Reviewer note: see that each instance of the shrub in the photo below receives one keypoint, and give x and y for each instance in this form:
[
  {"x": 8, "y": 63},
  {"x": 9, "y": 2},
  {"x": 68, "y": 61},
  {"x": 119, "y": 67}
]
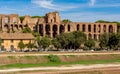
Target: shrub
[{"x": 53, "y": 58}]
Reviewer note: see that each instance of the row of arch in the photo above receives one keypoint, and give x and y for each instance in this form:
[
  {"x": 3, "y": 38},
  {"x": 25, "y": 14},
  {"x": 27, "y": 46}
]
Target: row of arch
[
  {"x": 55, "y": 29},
  {"x": 13, "y": 27},
  {"x": 110, "y": 28}
]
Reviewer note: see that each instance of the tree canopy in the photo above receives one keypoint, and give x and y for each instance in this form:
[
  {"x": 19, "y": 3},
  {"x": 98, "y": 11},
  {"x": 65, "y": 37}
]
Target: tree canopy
[{"x": 66, "y": 20}]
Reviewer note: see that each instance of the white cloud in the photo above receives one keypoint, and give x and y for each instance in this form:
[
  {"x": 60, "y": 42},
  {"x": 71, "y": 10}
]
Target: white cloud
[
  {"x": 48, "y": 4},
  {"x": 92, "y": 2}
]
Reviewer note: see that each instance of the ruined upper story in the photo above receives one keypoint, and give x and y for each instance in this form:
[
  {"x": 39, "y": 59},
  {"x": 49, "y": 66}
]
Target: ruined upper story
[{"x": 51, "y": 17}]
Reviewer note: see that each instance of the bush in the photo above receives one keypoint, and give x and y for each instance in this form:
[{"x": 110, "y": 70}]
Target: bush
[{"x": 53, "y": 58}]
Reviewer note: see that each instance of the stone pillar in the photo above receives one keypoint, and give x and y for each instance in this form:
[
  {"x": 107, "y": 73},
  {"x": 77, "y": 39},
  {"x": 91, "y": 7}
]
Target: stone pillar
[
  {"x": 38, "y": 28},
  {"x": 66, "y": 28},
  {"x": 58, "y": 29},
  {"x": 51, "y": 32},
  {"x": 97, "y": 36},
  {"x": 44, "y": 31},
  {"x": 97, "y": 28},
  {"x": 86, "y": 28},
  {"x": 81, "y": 27},
  {"x": 101, "y": 29},
  {"x": 107, "y": 28}
]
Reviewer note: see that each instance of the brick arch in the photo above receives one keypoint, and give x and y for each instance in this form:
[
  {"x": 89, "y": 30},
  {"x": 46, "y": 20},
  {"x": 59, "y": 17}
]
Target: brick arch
[
  {"x": 62, "y": 28},
  {"x": 89, "y": 28},
  {"x": 69, "y": 27},
  {"x": 47, "y": 29},
  {"x": 78, "y": 27},
  {"x": 6, "y": 27},
  {"x": 41, "y": 29},
  {"x": 83, "y": 27},
  {"x": 55, "y": 28},
  {"x": 110, "y": 28},
  {"x": 16, "y": 27},
  {"x": 99, "y": 28},
  {"x": 104, "y": 28},
  {"x": 21, "y": 27}
]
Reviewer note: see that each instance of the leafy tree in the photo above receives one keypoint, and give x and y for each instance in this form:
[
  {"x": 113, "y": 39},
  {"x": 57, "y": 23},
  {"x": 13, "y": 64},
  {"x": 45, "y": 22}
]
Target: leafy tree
[
  {"x": 27, "y": 30},
  {"x": 113, "y": 41},
  {"x": 62, "y": 39},
  {"x": 22, "y": 18},
  {"x": 66, "y": 20},
  {"x": 71, "y": 40},
  {"x": 104, "y": 38},
  {"x": 56, "y": 43},
  {"x": 90, "y": 43},
  {"x": 37, "y": 16},
  {"x": 79, "y": 38},
  {"x": 30, "y": 45},
  {"x": 102, "y": 21},
  {"x": 21, "y": 45},
  {"x": 45, "y": 42}
]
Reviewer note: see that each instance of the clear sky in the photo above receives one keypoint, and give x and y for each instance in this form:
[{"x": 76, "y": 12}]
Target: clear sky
[{"x": 75, "y": 10}]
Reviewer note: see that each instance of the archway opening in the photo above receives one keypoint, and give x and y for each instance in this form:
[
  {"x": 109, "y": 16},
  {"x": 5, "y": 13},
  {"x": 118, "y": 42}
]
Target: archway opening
[
  {"x": 68, "y": 28},
  {"x": 94, "y": 28},
  {"x": 61, "y": 28},
  {"x": 20, "y": 27},
  {"x": 54, "y": 30},
  {"x": 47, "y": 29},
  {"x": 83, "y": 27},
  {"x": 89, "y": 28},
  {"x": 104, "y": 28},
  {"x": 111, "y": 29},
  {"x": 6, "y": 27},
  {"x": 78, "y": 27},
  {"x": 41, "y": 29},
  {"x": 16, "y": 27}
]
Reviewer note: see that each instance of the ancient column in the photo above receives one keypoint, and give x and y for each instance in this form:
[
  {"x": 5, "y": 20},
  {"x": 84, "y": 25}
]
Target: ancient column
[
  {"x": 44, "y": 31},
  {"x": 58, "y": 29},
  {"x": 51, "y": 32},
  {"x": 107, "y": 28}
]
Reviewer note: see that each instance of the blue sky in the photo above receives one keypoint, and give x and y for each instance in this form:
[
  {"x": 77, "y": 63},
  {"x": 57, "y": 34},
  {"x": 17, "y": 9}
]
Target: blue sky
[{"x": 75, "y": 10}]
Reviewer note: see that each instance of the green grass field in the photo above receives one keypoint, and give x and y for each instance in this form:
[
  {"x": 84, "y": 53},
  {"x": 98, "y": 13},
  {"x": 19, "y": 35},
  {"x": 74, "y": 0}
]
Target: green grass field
[{"x": 55, "y": 61}]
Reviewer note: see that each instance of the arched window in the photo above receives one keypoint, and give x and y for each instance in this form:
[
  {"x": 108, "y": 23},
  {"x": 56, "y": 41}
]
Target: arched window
[
  {"x": 89, "y": 28},
  {"x": 61, "y": 28},
  {"x": 110, "y": 28},
  {"x": 78, "y": 27},
  {"x": 83, "y": 27},
  {"x": 54, "y": 30},
  {"x": 41, "y": 29},
  {"x": 47, "y": 28},
  {"x": 68, "y": 27}
]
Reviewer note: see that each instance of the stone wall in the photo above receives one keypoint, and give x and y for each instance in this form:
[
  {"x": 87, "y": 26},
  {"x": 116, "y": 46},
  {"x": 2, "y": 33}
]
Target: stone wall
[{"x": 51, "y": 25}]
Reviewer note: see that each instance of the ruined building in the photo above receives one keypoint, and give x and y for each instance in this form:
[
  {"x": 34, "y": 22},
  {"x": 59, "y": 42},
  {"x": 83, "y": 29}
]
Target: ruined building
[{"x": 52, "y": 25}]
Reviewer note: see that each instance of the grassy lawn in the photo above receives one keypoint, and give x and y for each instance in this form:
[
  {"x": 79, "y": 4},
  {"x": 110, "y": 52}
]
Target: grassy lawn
[{"x": 57, "y": 64}]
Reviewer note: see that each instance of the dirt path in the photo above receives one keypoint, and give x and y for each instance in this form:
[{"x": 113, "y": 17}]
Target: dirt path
[
  {"x": 60, "y": 53},
  {"x": 72, "y": 67}
]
